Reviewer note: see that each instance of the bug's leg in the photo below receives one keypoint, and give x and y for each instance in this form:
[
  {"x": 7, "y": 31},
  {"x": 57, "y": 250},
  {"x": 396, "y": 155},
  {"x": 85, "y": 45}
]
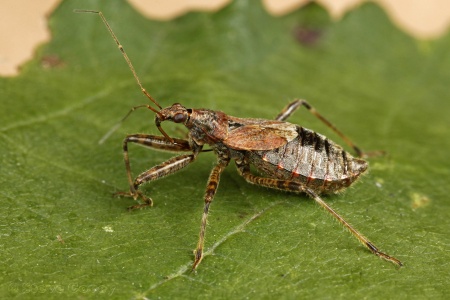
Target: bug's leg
[
  {"x": 355, "y": 232},
  {"x": 294, "y": 186},
  {"x": 211, "y": 189},
  {"x": 166, "y": 168},
  {"x": 293, "y": 106}
]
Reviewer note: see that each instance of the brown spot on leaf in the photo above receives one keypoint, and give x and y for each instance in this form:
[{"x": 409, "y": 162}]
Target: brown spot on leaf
[
  {"x": 51, "y": 61},
  {"x": 307, "y": 36}
]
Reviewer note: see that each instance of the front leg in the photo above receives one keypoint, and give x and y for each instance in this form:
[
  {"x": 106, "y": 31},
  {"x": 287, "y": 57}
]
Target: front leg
[{"x": 166, "y": 168}]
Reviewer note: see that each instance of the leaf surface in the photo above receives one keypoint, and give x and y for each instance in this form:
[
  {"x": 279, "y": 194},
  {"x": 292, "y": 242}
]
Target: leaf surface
[{"x": 63, "y": 235}]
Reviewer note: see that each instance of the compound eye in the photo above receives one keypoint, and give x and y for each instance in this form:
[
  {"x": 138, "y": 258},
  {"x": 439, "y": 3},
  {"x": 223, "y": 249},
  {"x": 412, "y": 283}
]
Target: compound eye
[{"x": 179, "y": 118}]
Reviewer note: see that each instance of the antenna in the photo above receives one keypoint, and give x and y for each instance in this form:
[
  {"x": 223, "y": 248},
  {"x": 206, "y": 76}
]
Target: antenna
[
  {"x": 115, "y": 127},
  {"x": 130, "y": 65}
]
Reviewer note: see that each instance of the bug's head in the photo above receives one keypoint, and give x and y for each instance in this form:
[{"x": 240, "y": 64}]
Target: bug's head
[{"x": 176, "y": 113}]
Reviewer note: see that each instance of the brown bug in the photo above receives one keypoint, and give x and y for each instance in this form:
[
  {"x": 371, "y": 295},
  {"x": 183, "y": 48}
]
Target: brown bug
[{"x": 292, "y": 157}]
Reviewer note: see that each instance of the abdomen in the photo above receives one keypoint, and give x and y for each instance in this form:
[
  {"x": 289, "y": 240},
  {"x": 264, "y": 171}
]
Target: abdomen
[{"x": 312, "y": 159}]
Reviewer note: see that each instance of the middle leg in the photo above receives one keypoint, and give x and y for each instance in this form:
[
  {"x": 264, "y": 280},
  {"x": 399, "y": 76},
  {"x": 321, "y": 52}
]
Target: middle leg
[{"x": 211, "y": 188}]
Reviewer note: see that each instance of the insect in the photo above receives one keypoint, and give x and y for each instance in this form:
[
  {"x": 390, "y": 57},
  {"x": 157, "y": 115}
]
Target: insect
[{"x": 290, "y": 157}]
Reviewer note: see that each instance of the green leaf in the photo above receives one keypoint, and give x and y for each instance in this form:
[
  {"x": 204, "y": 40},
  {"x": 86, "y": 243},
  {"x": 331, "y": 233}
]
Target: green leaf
[{"x": 63, "y": 235}]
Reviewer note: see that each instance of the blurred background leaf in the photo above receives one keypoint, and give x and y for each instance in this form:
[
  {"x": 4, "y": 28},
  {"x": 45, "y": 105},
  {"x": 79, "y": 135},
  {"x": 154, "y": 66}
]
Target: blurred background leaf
[{"x": 64, "y": 235}]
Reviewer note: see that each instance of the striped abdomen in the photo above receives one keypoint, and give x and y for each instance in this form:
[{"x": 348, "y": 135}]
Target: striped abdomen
[{"x": 312, "y": 159}]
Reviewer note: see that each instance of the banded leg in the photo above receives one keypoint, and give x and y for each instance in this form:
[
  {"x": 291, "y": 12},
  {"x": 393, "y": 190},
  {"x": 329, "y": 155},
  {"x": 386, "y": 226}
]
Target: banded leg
[
  {"x": 294, "y": 186},
  {"x": 293, "y": 106},
  {"x": 211, "y": 188},
  {"x": 166, "y": 168}
]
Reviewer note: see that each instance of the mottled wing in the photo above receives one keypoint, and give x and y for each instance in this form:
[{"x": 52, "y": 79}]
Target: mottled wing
[{"x": 264, "y": 136}]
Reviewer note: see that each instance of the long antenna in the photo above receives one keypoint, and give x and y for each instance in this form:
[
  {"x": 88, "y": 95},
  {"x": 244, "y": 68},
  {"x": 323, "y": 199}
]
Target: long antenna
[
  {"x": 130, "y": 65},
  {"x": 115, "y": 127}
]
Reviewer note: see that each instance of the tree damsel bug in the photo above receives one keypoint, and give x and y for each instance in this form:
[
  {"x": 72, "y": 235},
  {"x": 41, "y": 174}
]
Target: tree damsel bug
[{"x": 292, "y": 157}]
